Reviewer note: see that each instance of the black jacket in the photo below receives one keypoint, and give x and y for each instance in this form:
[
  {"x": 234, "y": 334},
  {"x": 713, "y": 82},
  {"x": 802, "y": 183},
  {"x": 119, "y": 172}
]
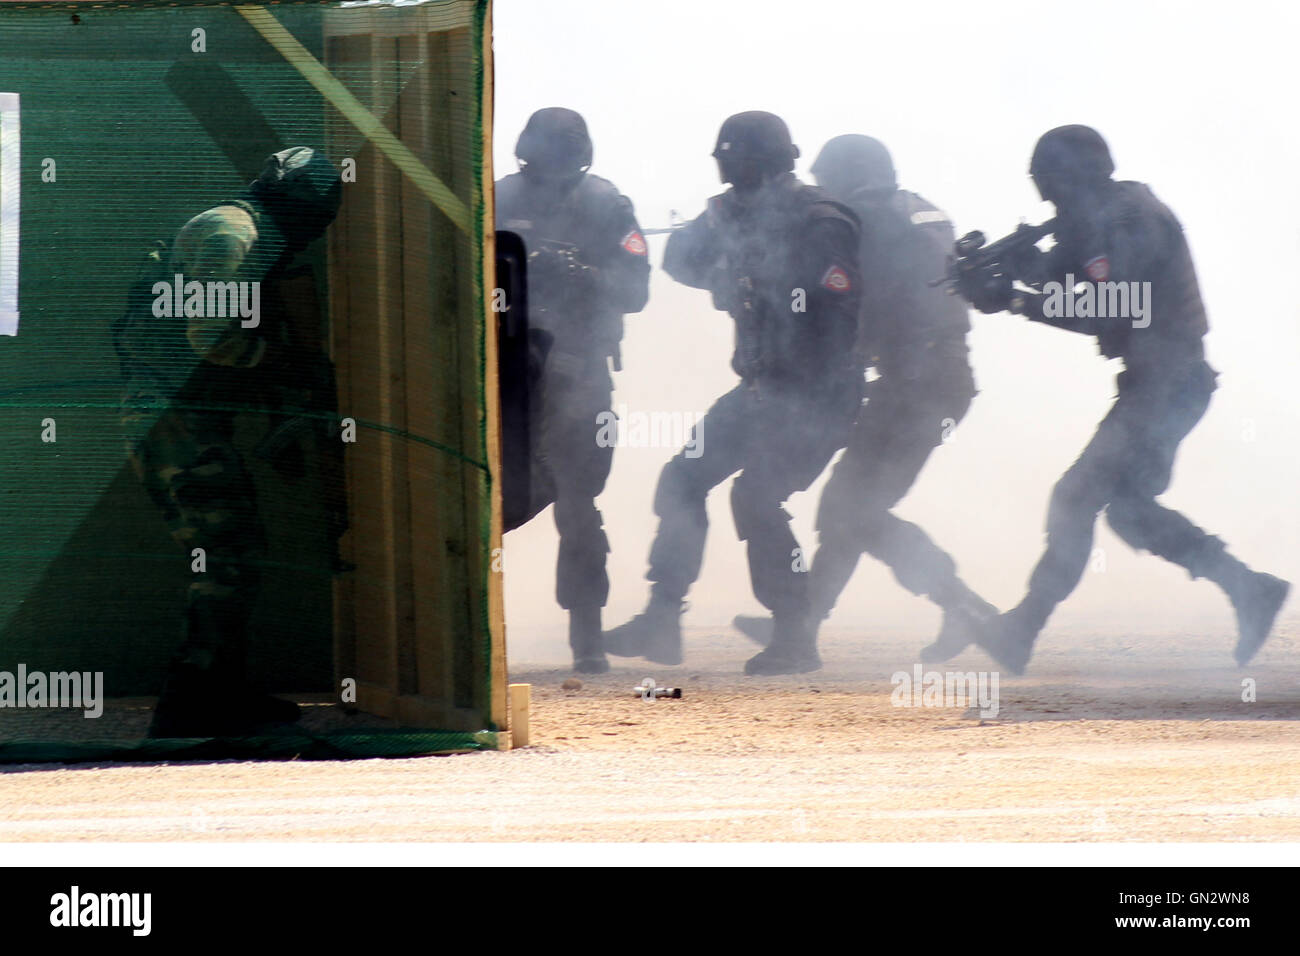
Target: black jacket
[
  {"x": 1132, "y": 237},
  {"x": 784, "y": 264},
  {"x": 912, "y": 331},
  {"x": 587, "y": 259}
]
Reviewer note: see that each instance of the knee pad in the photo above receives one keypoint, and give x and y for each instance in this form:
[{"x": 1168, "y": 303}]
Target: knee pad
[{"x": 752, "y": 508}]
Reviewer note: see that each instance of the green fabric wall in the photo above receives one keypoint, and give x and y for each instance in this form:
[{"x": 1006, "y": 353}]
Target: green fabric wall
[{"x": 145, "y": 133}]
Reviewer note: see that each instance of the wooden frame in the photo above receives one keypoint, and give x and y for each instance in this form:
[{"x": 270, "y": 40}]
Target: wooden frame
[{"x": 411, "y": 332}]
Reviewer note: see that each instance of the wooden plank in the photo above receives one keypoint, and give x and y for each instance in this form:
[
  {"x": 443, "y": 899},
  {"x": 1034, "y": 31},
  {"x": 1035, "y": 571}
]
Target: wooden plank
[
  {"x": 455, "y": 629},
  {"x": 434, "y": 606},
  {"x": 405, "y": 321},
  {"x": 378, "y": 699},
  {"x": 470, "y": 663},
  {"x": 417, "y": 710},
  {"x": 368, "y": 267},
  {"x": 395, "y": 629},
  {"x": 343, "y": 51},
  {"x": 391, "y": 21},
  {"x": 521, "y": 701},
  {"x": 459, "y": 328},
  {"x": 495, "y": 599}
]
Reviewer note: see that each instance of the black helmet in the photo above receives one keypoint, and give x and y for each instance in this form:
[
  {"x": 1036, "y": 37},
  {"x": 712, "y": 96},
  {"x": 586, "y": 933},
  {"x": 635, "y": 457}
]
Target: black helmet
[
  {"x": 752, "y": 146},
  {"x": 554, "y": 142},
  {"x": 299, "y": 191},
  {"x": 851, "y": 162},
  {"x": 1070, "y": 157}
]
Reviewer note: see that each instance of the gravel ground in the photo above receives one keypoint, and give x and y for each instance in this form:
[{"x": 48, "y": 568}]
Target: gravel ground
[{"x": 1138, "y": 737}]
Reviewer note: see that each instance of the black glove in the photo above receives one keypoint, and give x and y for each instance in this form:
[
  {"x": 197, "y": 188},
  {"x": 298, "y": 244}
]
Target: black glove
[
  {"x": 546, "y": 267},
  {"x": 989, "y": 292},
  {"x": 1026, "y": 264},
  {"x": 561, "y": 274}
]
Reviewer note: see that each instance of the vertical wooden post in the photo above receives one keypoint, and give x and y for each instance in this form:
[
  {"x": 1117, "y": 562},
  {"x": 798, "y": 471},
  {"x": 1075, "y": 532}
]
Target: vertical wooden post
[
  {"x": 495, "y": 589},
  {"x": 421, "y": 623},
  {"x": 521, "y": 701}
]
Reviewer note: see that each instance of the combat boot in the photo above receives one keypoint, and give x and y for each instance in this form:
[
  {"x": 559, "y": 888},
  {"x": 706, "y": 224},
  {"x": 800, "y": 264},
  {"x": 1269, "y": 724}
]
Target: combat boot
[
  {"x": 793, "y": 649},
  {"x": 584, "y": 641},
  {"x": 1256, "y": 597},
  {"x": 188, "y": 706},
  {"x": 1009, "y": 638},
  {"x": 966, "y": 621},
  {"x": 1257, "y": 603},
  {"x": 197, "y": 702},
  {"x": 755, "y": 627},
  {"x": 655, "y": 633}
]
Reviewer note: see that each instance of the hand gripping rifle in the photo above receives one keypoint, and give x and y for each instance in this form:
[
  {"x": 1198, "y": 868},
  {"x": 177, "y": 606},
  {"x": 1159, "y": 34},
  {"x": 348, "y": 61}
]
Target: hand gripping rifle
[{"x": 974, "y": 262}]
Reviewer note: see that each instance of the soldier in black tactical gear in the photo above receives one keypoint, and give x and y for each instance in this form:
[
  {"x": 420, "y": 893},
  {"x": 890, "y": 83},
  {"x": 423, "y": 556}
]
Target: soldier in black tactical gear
[
  {"x": 914, "y": 335},
  {"x": 587, "y": 266},
  {"x": 781, "y": 258},
  {"x": 1116, "y": 237}
]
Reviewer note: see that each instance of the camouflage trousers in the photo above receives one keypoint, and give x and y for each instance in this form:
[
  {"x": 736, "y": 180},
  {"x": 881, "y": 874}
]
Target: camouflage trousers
[{"x": 192, "y": 471}]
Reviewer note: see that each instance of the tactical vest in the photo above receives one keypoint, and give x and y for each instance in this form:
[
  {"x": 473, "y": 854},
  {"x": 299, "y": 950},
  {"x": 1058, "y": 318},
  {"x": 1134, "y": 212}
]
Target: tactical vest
[
  {"x": 1178, "y": 323},
  {"x": 566, "y": 224},
  {"x": 762, "y": 268},
  {"x": 910, "y": 327}
]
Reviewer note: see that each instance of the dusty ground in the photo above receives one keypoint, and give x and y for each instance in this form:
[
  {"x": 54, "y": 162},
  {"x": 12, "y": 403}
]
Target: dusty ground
[{"x": 1110, "y": 738}]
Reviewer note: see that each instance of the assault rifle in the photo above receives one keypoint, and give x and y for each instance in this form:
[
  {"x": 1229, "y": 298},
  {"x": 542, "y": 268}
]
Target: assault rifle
[{"x": 974, "y": 261}]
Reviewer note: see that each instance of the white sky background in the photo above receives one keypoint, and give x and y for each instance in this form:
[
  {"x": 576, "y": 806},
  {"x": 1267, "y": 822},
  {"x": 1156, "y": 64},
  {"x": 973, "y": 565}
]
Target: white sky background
[{"x": 1196, "y": 100}]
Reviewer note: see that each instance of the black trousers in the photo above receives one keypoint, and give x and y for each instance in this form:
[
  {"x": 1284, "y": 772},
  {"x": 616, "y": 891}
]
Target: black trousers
[
  {"x": 898, "y": 428},
  {"x": 779, "y": 440},
  {"x": 567, "y": 462},
  {"x": 1126, "y": 465}
]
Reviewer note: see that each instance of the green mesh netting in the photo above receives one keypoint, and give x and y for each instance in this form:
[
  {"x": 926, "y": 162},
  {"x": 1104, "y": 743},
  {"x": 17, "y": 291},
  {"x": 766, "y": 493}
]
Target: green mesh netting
[{"x": 219, "y": 505}]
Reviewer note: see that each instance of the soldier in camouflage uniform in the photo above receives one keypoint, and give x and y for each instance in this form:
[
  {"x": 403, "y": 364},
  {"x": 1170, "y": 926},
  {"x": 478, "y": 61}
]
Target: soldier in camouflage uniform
[{"x": 187, "y": 377}]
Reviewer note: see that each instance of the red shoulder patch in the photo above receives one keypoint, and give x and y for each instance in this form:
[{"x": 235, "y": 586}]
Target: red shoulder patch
[
  {"x": 1098, "y": 269},
  {"x": 836, "y": 279},
  {"x": 634, "y": 243}
]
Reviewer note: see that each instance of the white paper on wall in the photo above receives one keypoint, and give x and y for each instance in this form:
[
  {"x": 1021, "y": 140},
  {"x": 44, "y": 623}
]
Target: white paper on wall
[{"x": 10, "y": 210}]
